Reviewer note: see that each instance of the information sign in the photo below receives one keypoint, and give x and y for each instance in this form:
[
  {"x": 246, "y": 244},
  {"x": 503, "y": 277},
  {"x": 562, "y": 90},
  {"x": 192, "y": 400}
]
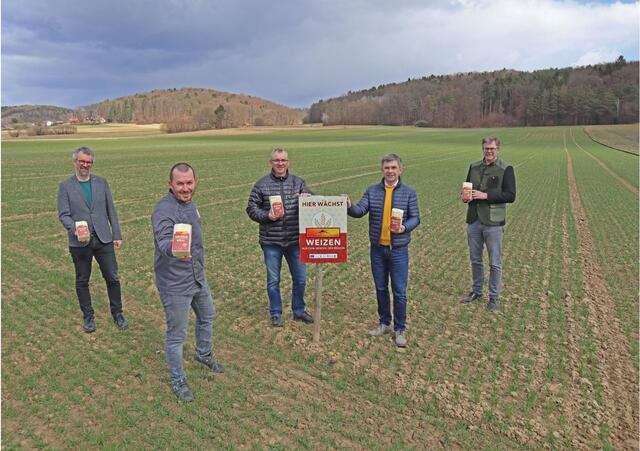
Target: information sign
[{"x": 323, "y": 229}]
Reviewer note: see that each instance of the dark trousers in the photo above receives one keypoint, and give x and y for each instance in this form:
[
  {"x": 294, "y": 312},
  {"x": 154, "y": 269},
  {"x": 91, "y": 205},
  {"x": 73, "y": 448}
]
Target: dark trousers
[{"x": 106, "y": 258}]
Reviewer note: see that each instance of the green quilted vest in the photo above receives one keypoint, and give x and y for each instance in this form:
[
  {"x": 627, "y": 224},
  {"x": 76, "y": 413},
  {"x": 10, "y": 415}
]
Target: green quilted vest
[{"x": 487, "y": 179}]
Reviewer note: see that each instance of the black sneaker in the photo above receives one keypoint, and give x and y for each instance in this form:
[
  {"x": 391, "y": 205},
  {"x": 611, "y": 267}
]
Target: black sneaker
[
  {"x": 89, "y": 324},
  {"x": 209, "y": 362},
  {"x": 122, "y": 323},
  {"x": 277, "y": 321},
  {"x": 182, "y": 390},
  {"x": 473, "y": 296},
  {"x": 305, "y": 318},
  {"x": 493, "y": 304}
]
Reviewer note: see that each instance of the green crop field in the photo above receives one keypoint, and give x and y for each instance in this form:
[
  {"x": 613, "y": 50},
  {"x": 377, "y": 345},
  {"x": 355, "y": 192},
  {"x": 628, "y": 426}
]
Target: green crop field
[{"x": 556, "y": 367}]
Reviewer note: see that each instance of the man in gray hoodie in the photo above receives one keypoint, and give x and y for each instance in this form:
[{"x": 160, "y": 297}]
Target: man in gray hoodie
[{"x": 181, "y": 281}]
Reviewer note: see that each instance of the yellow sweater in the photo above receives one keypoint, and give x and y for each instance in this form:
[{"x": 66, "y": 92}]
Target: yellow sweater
[{"x": 385, "y": 233}]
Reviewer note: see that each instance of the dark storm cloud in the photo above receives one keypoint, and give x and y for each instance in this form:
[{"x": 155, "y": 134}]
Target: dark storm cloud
[{"x": 294, "y": 52}]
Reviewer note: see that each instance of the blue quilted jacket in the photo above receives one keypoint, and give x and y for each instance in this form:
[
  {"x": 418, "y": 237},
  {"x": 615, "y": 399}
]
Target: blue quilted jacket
[{"x": 372, "y": 202}]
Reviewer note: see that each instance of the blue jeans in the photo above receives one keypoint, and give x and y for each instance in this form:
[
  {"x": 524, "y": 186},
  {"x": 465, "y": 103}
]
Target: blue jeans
[
  {"x": 479, "y": 235},
  {"x": 391, "y": 262},
  {"x": 273, "y": 260},
  {"x": 176, "y": 310}
]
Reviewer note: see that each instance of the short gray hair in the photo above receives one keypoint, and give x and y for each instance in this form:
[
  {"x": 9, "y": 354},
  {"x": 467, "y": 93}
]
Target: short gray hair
[
  {"x": 491, "y": 139},
  {"x": 84, "y": 150},
  {"x": 392, "y": 157},
  {"x": 279, "y": 150}
]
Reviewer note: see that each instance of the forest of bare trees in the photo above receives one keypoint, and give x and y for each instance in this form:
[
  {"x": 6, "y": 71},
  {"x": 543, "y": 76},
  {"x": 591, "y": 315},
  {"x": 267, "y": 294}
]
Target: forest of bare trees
[
  {"x": 189, "y": 109},
  {"x": 598, "y": 94}
]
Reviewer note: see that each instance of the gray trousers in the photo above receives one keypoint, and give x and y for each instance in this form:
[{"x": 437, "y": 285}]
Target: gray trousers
[
  {"x": 479, "y": 235},
  {"x": 176, "y": 310}
]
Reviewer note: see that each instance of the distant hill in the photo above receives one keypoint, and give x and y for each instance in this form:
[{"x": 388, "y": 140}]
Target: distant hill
[
  {"x": 35, "y": 114},
  {"x": 598, "y": 94},
  {"x": 205, "y": 108}
]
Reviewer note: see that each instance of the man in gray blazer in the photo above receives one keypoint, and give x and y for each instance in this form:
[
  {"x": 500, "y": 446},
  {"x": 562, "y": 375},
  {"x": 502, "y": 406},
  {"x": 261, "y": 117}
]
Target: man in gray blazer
[{"x": 87, "y": 197}]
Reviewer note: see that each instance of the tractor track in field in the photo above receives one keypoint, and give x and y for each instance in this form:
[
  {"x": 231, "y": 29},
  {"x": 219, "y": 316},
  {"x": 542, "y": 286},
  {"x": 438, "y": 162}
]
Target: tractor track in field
[
  {"x": 583, "y": 427},
  {"x": 29, "y": 216},
  {"x": 573, "y": 388},
  {"x": 620, "y": 179},
  {"x": 617, "y": 373}
]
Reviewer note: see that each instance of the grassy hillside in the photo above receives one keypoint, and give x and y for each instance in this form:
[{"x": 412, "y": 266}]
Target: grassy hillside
[{"x": 623, "y": 137}]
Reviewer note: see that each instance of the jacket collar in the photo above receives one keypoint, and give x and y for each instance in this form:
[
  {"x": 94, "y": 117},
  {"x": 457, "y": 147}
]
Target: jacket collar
[
  {"x": 171, "y": 195},
  {"x": 382, "y": 184},
  {"x": 279, "y": 179},
  {"x": 75, "y": 177}
]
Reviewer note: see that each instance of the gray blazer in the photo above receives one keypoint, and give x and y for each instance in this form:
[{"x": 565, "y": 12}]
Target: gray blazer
[{"x": 101, "y": 217}]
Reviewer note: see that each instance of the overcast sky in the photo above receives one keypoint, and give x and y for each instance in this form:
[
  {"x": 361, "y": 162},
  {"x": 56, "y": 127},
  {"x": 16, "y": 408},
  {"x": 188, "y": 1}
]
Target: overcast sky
[{"x": 294, "y": 52}]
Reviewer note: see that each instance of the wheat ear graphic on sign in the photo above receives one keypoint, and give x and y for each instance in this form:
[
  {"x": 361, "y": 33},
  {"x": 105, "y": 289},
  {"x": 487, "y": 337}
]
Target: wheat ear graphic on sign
[{"x": 323, "y": 221}]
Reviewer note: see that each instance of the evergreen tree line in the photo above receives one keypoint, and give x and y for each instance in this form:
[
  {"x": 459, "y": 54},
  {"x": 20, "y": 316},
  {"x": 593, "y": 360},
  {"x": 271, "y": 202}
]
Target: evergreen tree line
[{"x": 598, "y": 94}]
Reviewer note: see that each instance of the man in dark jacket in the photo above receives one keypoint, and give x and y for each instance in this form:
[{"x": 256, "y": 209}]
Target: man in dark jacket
[
  {"x": 87, "y": 197},
  {"x": 273, "y": 203},
  {"x": 181, "y": 280},
  {"x": 494, "y": 186},
  {"x": 389, "y": 243}
]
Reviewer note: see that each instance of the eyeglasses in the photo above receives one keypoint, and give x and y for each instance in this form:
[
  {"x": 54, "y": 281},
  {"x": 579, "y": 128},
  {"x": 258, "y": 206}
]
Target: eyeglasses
[
  {"x": 85, "y": 162},
  {"x": 486, "y": 149},
  {"x": 279, "y": 161}
]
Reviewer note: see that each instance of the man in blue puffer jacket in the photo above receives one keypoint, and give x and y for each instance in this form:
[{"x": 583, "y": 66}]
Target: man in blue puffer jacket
[{"x": 389, "y": 244}]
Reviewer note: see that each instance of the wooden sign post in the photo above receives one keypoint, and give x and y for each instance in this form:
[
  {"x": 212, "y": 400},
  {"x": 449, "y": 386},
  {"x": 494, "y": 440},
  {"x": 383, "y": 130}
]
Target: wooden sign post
[{"x": 317, "y": 287}]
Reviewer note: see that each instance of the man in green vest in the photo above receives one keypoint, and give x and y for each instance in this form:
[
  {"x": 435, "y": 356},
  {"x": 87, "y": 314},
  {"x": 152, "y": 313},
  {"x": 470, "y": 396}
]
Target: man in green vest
[{"x": 493, "y": 186}]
